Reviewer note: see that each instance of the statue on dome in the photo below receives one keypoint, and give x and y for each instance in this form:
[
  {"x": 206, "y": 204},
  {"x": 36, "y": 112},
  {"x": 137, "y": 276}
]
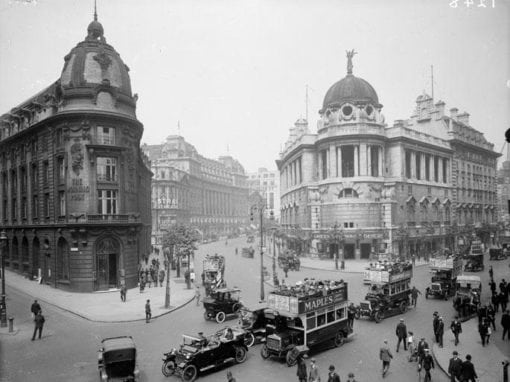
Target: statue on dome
[{"x": 350, "y": 55}]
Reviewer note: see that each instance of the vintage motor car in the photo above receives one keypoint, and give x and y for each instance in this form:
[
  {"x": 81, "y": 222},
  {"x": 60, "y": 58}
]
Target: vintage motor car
[
  {"x": 467, "y": 295},
  {"x": 117, "y": 359},
  {"x": 255, "y": 322},
  {"x": 222, "y": 303},
  {"x": 198, "y": 354},
  {"x": 474, "y": 263},
  {"x": 497, "y": 253}
]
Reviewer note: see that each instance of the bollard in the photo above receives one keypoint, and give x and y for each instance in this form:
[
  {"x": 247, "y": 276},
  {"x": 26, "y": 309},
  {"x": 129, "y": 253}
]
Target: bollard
[{"x": 11, "y": 324}]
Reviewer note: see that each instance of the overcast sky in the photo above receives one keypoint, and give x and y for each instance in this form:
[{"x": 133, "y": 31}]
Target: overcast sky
[{"x": 234, "y": 72}]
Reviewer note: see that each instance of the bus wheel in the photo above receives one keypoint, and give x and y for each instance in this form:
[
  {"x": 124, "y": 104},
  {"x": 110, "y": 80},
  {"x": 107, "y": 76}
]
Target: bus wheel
[
  {"x": 291, "y": 361},
  {"x": 339, "y": 339}
]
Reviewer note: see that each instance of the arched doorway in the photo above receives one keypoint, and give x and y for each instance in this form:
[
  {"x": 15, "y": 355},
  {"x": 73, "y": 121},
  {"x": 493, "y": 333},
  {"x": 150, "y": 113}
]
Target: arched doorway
[
  {"x": 35, "y": 257},
  {"x": 62, "y": 259},
  {"x": 15, "y": 253},
  {"x": 107, "y": 263},
  {"x": 24, "y": 255}
]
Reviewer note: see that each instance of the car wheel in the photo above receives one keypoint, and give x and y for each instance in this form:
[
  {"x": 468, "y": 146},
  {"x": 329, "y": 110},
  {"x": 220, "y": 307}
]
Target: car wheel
[
  {"x": 189, "y": 374},
  {"x": 168, "y": 368},
  {"x": 403, "y": 307},
  {"x": 339, "y": 339},
  {"x": 249, "y": 339},
  {"x": 240, "y": 354},
  {"x": 289, "y": 359},
  {"x": 206, "y": 315},
  {"x": 220, "y": 317},
  {"x": 264, "y": 352},
  {"x": 377, "y": 317}
]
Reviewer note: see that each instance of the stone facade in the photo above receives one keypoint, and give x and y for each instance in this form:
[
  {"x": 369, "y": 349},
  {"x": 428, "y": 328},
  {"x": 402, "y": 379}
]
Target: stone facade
[
  {"x": 267, "y": 184},
  {"x": 211, "y": 195},
  {"x": 75, "y": 195},
  {"x": 357, "y": 187}
]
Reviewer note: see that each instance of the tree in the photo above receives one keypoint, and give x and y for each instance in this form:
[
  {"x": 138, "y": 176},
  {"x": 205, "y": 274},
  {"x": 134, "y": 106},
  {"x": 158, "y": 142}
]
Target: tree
[{"x": 182, "y": 240}]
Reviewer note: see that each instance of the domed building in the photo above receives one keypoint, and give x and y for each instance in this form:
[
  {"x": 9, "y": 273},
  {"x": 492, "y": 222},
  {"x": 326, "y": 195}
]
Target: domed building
[
  {"x": 357, "y": 187},
  {"x": 75, "y": 195}
]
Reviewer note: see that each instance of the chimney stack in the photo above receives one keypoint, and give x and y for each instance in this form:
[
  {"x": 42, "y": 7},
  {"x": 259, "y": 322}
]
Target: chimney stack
[
  {"x": 463, "y": 118},
  {"x": 440, "y": 109},
  {"x": 453, "y": 113}
]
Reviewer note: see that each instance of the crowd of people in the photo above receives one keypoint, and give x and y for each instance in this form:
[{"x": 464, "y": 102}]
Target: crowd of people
[{"x": 151, "y": 273}]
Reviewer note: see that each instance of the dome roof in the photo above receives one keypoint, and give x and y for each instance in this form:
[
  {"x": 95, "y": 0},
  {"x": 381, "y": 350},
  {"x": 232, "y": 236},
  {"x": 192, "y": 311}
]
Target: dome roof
[
  {"x": 93, "y": 63},
  {"x": 350, "y": 89}
]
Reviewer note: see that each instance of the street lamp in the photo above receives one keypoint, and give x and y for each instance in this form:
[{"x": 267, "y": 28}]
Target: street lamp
[
  {"x": 3, "y": 308},
  {"x": 260, "y": 208},
  {"x": 166, "y": 252}
]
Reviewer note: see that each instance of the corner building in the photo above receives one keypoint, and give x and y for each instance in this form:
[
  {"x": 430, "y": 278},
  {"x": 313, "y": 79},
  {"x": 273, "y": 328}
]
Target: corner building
[
  {"x": 75, "y": 194},
  {"x": 357, "y": 187}
]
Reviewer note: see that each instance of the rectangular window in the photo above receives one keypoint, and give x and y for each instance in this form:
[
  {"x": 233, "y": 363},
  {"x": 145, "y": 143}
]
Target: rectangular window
[
  {"x": 46, "y": 175},
  {"x": 61, "y": 171},
  {"x": 427, "y": 167},
  {"x": 35, "y": 207},
  {"x": 347, "y": 161},
  {"x": 62, "y": 203},
  {"x": 351, "y": 225},
  {"x": 409, "y": 190},
  {"x": 23, "y": 179},
  {"x": 310, "y": 320},
  {"x": 5, "y": 209},
  {"x": 436, "y": 169},
  {"x": 408, "y": 164},
  {"x": 105, "y": 135},
  {"x": 418, "y": 165},
  {"x": 321, "y": 319},
  {"x": 24, "y": 208},
  {"x": 330, "y": 316},
  {"x": 324, "y": 159},
  {"x": 35, "y": 178},
  {"x": 14, "y": 211},
  {"x": 107, "y": 202},
  {"x": 340, "y": 313},
  {"x": 4, "y": 184},
  {"x": 47, "y": 205},
  {"x": 107, "y": 169},
  {"x": 374, "y": 161},
  {"x": 445, "y": 170},
  {"x": 58, "y": 137}
]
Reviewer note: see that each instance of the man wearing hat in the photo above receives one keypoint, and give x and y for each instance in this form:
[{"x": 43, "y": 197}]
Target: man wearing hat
[
  {"x": 455, "y": 367},
  {"x": 351, "y": 378},
  {"x": 401, "y": 333},
  {"x": 301, "y": 369},
  {"x": 468, "y": 373},
  {"x": 440, "y": 332},
  {"x": 456, "y": 327},
  {"x": 427, "y": 363},
  {"x": 435, "y": 322},
  {"x": 385, "y": 356},
  {"x": 422, "y": 345},
  {"x": 314, "y": 372},
  {"x": 332, "y": 375}
]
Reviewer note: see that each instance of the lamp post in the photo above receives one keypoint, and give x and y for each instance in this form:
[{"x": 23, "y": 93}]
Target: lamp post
[
  {"x": 259, "y": 207},
  {"x": 166, "y": 252},
  {"x": 3, "y": 308}
]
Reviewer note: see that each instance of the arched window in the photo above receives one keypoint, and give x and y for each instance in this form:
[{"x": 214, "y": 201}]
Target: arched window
[{"x": 348, "y": 193}]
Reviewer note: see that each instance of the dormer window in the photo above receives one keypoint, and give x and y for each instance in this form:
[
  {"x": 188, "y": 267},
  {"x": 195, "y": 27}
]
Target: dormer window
[
  {"x": 105, "y": 135},
  {"x": 348, "y": 193}
]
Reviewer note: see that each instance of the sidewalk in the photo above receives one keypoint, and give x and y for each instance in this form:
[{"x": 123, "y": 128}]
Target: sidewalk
[
  {"x": 487, "y": 360},
  {"x": 105, "y": 306}
]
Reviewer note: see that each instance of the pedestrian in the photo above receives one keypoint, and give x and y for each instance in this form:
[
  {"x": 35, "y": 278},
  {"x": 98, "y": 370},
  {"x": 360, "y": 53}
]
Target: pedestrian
[
  {"x": 482, "y": 329},
  {"x": 148, "y": 314},
  {"x": 38, "y": 324},
  {"x": 435, "y": 323},
  {"x": 491, "y": 316},
  {"x": 455, "y": 367},
  {"x": 440, "y": 331},
  {"x": 192, "y": 276},
  {"x": 505, "y": 323},
  {"x": 161, "y": 277},
  {"x": 237, "y": 251},
  {"x": 456, "y": 328},
  {"x": 414, "y": 296},
  {"x": 491, "y": 273},
  {"x": 502, "y": 286},
  {"x": 488, "y": 332},
  {"x": 401, "y": 332},
  {"x": 492, "y": 286},
  {"x": 351, "y": 313},
  {"x": 350, "y": 378},
  {"x": 286, "y": 270},
  {"x": 148, "y": 277},
  {"x": 427, "y": 363},
  {"x": 314, "y": 372},
  {"x": 332, "y": 375},
  {"x": 35, "y": 308},
  {"x": 495, "y": 301},
  {"x": 123, "y": 292},
  {"x": 203, "y": 278},
  {"x": 197, "y": 294},
  {"x": 410, "y": 344},
  {"x": 230, "y": 378},
  {"x": 385, "y": 356},
  {"x": 468, "y": 373},
  {"x": 301, "y": 369},
  {"x": 503, "y": 300},
  {"x": 422, "y": 345}
]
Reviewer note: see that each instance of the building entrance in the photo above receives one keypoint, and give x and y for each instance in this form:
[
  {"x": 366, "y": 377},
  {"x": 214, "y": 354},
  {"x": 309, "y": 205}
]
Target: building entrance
[
  {"x": 349, "y": 252},
  {"x": 107, "y": 258},
  {"x": 365, "y": 250}
]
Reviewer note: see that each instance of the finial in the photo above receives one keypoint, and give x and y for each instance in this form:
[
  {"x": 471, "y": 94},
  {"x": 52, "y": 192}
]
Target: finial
[
  {"x": 350, "y": 55},
  {"x": 95, "y": 10}
]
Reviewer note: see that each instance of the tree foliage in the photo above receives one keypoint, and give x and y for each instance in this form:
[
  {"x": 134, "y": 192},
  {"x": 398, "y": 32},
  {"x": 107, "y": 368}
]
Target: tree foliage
[{"x": 182, "y": 239}]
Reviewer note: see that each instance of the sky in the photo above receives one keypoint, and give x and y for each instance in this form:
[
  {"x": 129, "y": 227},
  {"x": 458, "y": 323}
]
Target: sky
[{"x": 233, "y": 73}]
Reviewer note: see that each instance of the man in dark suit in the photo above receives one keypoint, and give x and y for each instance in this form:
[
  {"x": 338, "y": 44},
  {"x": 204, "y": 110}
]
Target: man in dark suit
[
  {"x": 440, "y": 332},
  {"x": 455, "y": 367},
  {"x": 39, "y": 323},
  {"x": 435, "y": 322},
  {"x": 401, "y": 333},
  {"x": 456, "y": 327},
  {"x": 468, "y": 373},
  {"x": 35, "y": 308}
]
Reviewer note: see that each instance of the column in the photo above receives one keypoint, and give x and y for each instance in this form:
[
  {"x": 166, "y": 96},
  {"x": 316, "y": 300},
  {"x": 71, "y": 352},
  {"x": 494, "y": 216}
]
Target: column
[
  {"x": 413, "y": 165},
  {"x": 339, "y": 156},
  {"x": 332, "y": 161},
  {"x": 369, "y": 160},
  {"x": 356, "y": 161},
  {"x": 380, "y": 161},
  {"x": 440, "y": 170},
  {"x": 363, "y": 159}
]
